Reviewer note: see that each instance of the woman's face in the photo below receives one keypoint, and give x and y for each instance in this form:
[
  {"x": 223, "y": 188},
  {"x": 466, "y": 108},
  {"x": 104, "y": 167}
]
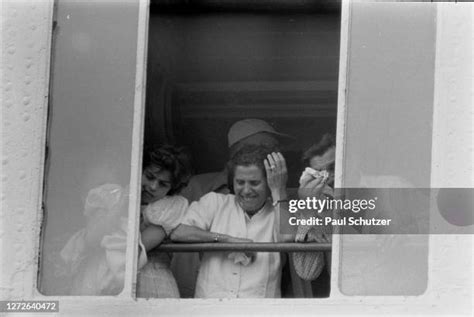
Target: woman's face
[
  {"x": 325, "y": 162},
  {"x": 156, "y": 183},
  {"x": 250, "y": 188}
]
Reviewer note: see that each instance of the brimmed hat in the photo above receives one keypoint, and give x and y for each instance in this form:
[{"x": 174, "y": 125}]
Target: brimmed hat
[{"x": 247, "y": 127}]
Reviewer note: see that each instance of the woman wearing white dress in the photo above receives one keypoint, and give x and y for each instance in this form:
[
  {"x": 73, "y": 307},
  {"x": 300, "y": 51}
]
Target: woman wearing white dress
[
  {"x": 95, "y": 254},
  {"x": 165, "y": 172}
]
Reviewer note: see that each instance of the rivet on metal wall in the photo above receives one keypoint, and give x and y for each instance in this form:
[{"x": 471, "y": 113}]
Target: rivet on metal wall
[
  {"x": 22, "y": 174},
  {"x": 26, "y": 101}
]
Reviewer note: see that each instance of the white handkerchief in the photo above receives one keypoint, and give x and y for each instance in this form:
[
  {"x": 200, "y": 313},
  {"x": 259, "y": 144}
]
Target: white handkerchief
[{"x": 310, "y": 173}]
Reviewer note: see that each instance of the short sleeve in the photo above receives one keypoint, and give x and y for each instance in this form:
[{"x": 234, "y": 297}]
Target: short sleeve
[
  {"x": 201, "y": 213},
  {"x": 167, "y": 212}
]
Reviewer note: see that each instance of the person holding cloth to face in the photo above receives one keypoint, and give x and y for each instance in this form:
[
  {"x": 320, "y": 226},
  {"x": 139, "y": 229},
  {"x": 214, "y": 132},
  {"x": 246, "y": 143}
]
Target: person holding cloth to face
[
  {"x": 250, "y": 213},
  {"x": 317, "y": 180}
]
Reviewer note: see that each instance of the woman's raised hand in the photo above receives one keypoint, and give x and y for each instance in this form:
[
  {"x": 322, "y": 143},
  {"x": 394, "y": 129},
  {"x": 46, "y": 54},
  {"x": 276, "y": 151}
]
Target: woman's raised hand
[{"x": 277, "y": 175}]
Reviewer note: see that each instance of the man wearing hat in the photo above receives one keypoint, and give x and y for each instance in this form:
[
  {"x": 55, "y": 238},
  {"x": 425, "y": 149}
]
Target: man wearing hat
[
  {"x": 243, "y": 132},
  {"x": 185, "y": 266}
]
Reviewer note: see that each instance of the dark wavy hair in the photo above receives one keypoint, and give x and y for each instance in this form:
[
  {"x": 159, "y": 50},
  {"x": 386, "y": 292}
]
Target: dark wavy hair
[
  {"x": 327, "y": 141},
  {"x": 252, "y": 154},
  {"x": 176, "y": 160}
]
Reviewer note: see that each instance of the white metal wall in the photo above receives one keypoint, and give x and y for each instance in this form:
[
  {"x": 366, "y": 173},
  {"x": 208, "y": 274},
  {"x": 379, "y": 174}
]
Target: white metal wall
[{"x": 26, "y": 27}]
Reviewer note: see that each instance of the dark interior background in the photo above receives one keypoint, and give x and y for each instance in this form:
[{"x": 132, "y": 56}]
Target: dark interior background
[{"x": 211, "y": 64}]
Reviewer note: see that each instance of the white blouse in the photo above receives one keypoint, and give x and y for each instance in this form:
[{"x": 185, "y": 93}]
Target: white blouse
[{"x": 220, "y": 276}]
